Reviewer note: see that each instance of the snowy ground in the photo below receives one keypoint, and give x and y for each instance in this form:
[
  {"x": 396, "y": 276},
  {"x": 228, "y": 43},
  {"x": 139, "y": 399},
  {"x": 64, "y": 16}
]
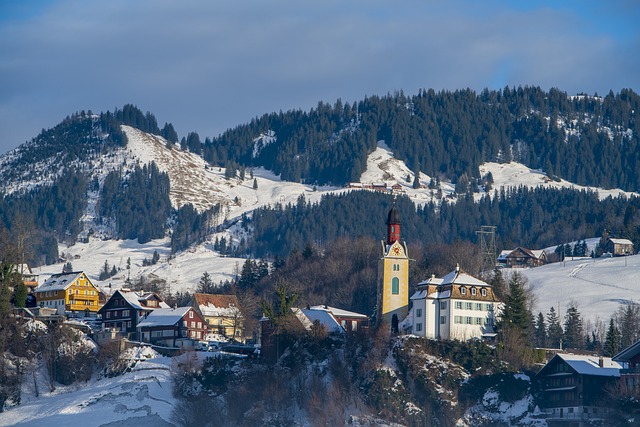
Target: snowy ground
[
  {"x": 598, "y": 286},
  {"x": 140, "y": 397}
]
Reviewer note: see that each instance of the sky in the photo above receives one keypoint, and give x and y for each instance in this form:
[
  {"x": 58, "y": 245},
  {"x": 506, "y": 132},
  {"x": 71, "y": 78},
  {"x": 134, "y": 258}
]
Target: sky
[{"x": 207, "y": 65}]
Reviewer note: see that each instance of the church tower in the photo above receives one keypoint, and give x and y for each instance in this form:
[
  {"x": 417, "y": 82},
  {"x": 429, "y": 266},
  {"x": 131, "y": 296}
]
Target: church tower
[{"x": 393, "y": 275}]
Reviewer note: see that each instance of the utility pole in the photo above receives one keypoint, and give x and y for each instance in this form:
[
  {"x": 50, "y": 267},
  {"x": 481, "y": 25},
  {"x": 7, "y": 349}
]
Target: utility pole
[{"x": 487, "y": 238}]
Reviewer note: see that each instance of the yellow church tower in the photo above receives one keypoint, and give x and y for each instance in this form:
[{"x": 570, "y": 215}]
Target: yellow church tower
[{"x": 393, "y": 275}]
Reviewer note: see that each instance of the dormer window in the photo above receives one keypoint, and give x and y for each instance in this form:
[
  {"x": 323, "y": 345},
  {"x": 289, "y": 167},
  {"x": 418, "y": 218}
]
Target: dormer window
[
  {"x": 463, "y": 290},
  {"x": 483, "y": 292},
  {"x": 473, "y": 291}
]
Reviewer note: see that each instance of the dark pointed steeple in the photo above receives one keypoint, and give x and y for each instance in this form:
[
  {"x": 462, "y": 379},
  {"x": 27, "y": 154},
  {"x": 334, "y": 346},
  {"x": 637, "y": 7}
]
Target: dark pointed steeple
[{"x": 393, "y": 224}]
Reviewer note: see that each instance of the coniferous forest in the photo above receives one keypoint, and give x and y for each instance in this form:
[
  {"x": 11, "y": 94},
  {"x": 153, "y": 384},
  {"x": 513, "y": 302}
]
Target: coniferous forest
[{"x": 590, "y": 140}]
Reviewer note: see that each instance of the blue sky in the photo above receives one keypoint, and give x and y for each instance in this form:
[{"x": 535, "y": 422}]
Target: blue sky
[{"x": 207, "y": 65}]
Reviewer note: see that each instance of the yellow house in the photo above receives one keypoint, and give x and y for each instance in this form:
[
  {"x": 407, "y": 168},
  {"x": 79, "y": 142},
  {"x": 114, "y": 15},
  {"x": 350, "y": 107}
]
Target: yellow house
[
  {"x": 69, "y": 292},
  {"x": 222, "y": 314}
]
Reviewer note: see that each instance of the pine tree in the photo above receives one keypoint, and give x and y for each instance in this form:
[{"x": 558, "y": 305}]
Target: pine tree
[
  {"x": 612, "y": 340},
  {"x": 554, "y": 329},
  {"x": 205, "y": 285},
  {"x": 255, "y": 184},
  {"x": 67, "y": 267},
  {"x": 515, "y": 313},
  {"x": 573, "y": 328},
  {"x": 540, "y": 331}
]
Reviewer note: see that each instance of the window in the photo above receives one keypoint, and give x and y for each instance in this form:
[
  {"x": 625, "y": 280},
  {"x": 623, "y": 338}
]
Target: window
[
  {"x": 459, "y": 305},
  {"x": 396, "y": 267},
  {"x": 193, "y": 324},
  {"x": 478, "y": 306},
  {"x": 108, "y": 315},
  {"x": 443, "y": 305},
  {"x": 443, "y": 320},
  {"x": 129, "y": 324},
  {"x": 473, "y": 291},
  {"x": 395, "y": 286},
  {"x": 468, "y": 306},
  {"x": 418, "y": 312},
  {"x": 468, "y": 320},
  {"x": 199, "y": 325},
  {"x": 457, "y": 319},
  {"x": 418, "y": 327},
  {"x": 463, "y": 290},
  {"x": 125, "y": 313},
  {"x": 483, "y": 292},
  {"x": 488, "y": 307},
  {"x": 478, "y": 320},
  {"x": 184, "y": 323},
  {"x": 191, "y": 315}
]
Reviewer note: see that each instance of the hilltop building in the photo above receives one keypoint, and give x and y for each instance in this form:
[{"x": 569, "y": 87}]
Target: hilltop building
[
  {"x": 457, "y": 306},
  {"x": 393, "y": 275},
  {"x": 126, "y": 308}
]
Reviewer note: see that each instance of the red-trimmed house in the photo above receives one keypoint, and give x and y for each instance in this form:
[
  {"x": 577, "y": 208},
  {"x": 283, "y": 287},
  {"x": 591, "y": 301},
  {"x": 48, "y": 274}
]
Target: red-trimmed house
[
  {"x": 173, "y": 327},
  {"x": 126, "y": 308}
]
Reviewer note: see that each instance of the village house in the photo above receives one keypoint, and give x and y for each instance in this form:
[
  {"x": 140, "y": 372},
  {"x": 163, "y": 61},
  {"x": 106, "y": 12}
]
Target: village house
[
  {"x": 221, "y": 313},
  {"x": 457, "y": 306},
  {"x": 126, "y": 308},
  {"x": 348, "y": 321},
  {"x": 69, "y": 293},
  {"x": 618, "y": 247},
  {"x": 522, "y": 258},
  {"x": 574, "y": 388},
  {"x": 173, "y": 327},
  {"x": 629, "y": 358}
]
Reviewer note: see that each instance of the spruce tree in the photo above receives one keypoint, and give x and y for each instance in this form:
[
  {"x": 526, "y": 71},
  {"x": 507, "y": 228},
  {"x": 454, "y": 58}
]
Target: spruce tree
[
  {"x": 612, "y": 340},
  {"x": 515, "y": 313},
  {"x": 573, "y": 328},
  {"x": 205, "y": 285},
  {"x": 554, "y": 329},
  {"x": 540, "y": 331}
]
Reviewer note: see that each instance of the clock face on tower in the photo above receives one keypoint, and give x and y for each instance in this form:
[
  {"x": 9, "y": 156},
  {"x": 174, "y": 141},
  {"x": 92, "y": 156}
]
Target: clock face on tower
[{"x": 396, "y": 250}]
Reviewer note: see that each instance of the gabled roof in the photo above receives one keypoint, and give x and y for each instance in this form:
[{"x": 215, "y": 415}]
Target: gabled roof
[
  {"x": 503, "y": 254},
  {"x": 325, "y": 318},
  {"x": 59, "y": 282},
  {"x": 217, "y": 305},
  {"x": 621, "y": 241},
  {"x": 460, "y": 277},
  {"x": 338, "y": 312},
  {"x": 587, "y": 365},
  {"x": 164, "y": 317},
  {"x": 526, "y": 251},
  {"x": 628, "y": 353}
]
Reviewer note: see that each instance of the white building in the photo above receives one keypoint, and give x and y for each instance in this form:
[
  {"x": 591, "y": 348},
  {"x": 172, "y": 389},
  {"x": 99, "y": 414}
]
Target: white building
[{"x": 457, "y": 306}]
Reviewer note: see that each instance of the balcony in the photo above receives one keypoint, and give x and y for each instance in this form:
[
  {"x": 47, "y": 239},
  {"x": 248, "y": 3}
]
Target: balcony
[{"x": 630, "y": 371}]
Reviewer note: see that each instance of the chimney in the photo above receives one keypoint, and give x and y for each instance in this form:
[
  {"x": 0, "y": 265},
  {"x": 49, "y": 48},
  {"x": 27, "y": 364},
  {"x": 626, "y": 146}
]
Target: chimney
[{"x": 601, "y": 362}]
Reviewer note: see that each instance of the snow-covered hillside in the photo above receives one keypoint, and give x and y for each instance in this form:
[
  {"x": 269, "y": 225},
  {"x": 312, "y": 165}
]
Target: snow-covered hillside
[
  {"x": 597, "y": 286},
  {"x": 193, "y": 181}
]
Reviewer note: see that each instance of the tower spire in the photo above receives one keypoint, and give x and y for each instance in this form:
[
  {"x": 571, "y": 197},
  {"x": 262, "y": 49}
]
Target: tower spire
[{"x": 393, "y": 224}]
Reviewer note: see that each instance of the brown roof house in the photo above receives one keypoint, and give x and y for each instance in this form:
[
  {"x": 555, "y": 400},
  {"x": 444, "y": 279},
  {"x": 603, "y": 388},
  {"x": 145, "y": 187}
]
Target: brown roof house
[
  {"x": 221, "y": 313},
  {"x": 522, "y": 258}
]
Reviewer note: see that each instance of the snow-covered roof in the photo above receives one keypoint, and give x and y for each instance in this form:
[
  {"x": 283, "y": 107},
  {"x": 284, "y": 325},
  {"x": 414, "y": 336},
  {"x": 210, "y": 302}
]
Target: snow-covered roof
[
  {"x": 433, "y": 280},
  {"x": 589, "y": 365},
  {"x": 460, "y": 277},
  {"x": 503, "y": 254},
  {"x": 419, "y": 295},
  {"x": 621, "y": 241},
  {"x": 164, "y": 317},
  {"x": 325, "y": 318},
  {"x": 338, "y": 312},
  {"x": 440, "y": 294},
  {"x": 628, "y": 353},
  {"x": 537, "y": 252},
  {"x": 217, "y": 305},
  {"x": 59, "y": 282}
]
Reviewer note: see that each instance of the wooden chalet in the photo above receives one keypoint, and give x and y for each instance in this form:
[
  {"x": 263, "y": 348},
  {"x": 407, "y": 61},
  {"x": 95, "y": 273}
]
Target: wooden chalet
[
  {"x": 574, "y": 388},
  {"x": 522, "y": 258},
  {"x": 619, "y": 247},
  {"x": 126, "y": 308},
  {"x": 629, "y": 358},
  {"x": 173, "y": 327}
]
